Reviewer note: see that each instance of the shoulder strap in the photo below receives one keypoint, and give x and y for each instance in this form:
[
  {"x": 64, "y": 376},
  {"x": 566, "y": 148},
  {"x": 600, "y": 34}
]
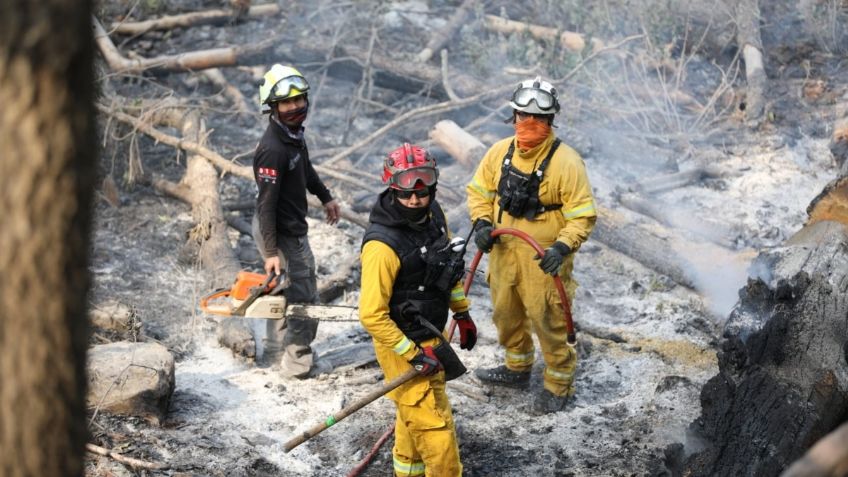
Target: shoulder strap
[
  {"x": 544, "y": 165},
  {"x": 508, "y": 156}
]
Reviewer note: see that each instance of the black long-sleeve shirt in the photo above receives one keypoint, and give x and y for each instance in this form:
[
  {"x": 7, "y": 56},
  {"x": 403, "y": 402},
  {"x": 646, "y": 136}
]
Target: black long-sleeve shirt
[{"x": 283, "y": 174}]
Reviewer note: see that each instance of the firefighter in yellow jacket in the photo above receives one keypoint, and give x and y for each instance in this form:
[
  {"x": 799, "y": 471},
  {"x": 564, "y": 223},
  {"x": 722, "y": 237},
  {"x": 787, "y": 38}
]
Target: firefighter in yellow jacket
[
  {"x": 534, "y": 183},
  {"x": 411, "y": 275}
]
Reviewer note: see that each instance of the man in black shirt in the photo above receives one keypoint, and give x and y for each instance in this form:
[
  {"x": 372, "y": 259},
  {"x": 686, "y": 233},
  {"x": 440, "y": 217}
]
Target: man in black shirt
[{"x": 283, "y": 175}]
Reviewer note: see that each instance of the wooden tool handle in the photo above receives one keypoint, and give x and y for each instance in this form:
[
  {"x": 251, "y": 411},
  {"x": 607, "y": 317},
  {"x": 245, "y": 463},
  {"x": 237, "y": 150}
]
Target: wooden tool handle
[{"x": 334, "y": 418}]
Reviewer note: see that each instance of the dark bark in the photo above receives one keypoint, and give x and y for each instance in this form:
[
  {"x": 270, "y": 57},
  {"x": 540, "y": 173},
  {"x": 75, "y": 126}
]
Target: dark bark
[
  {"x": 783, "y": 380},
  {"x": 47, "y": 176}
]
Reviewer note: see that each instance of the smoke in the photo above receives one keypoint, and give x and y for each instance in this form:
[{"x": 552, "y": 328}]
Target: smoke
[{"x": 717, "y": 273}]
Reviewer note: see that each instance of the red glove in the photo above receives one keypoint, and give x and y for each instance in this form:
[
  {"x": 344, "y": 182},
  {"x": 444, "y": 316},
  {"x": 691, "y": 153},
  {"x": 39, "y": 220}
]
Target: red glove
[
  {"x": 426, "y": 362},
  {"x": 467, "y": 330}
]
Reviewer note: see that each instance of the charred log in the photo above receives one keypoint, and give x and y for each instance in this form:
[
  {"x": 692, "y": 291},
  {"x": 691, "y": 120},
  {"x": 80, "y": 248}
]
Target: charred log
[{"x": 783, "y": 380}]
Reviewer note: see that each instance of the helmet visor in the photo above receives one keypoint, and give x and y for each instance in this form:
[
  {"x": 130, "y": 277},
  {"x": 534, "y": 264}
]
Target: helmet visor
[
  {"x": 283, "y": 88},
  {"x": 543, "y": 99},
  {"x": 408, "y": 178}
]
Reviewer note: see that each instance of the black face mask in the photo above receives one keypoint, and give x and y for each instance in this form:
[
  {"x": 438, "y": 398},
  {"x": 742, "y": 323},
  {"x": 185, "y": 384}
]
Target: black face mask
[
  {"x": 412, "y": 215},
  {"x": 296, "y": 117}
]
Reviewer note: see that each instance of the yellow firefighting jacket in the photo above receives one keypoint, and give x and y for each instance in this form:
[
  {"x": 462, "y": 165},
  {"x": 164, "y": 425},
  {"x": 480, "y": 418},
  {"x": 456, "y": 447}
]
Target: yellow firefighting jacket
[{"x": 565, "y": 182}]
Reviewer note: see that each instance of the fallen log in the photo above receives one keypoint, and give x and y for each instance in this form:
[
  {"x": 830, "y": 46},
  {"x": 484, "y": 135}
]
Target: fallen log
[
  {"x": 208, "y": 239},
  {"x": 216, "y": 77},
  {"x": 750, "y": 42},
  {"x": 208, "y": 17},
  {"x": 782, "y": 382},
  {"x": 676, "y": 180},
  {"x": 443, "y": 36},
  {"x": 651, "y": 249},
  {"x": 188, "y": 61},
  {"x": 715, "y": 232},
  {"x": 569, "y": 40},
  {"x": 465, "y": 148},
  {"x": 130, "y": 461},
  {"x": 199, "y": 188}
]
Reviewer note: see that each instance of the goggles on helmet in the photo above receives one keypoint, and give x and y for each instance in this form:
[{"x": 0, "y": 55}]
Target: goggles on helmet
[
  {"x": 283, "y": 88},
  {"x": 544, "y": 100},
  {"x": 406, "y": 179}
]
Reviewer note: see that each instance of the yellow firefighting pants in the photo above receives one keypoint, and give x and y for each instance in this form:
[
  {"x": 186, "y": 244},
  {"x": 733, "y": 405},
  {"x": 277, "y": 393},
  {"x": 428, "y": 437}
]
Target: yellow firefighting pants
[
  {"x": 525, "y": 299},
  {"x": 425, "y": 435}
]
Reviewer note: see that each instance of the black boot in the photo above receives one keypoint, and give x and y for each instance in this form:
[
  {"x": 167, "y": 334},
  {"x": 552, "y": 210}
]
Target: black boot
[
  {"x": 504, "y": 376},
  {"x": 547, "y": 402}
]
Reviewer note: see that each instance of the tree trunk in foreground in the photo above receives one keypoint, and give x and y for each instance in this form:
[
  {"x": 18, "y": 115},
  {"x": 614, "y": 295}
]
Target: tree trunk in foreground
[
  {"x": 783, "y": 380},
  {"x": 47, "y": 175}
]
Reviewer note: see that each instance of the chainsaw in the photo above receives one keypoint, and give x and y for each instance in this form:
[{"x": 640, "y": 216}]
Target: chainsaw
[{"x": 254, "y": 295}]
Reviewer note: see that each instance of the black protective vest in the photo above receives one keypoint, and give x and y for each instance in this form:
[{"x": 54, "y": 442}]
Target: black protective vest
[
  {"x": 409, "y": 297},
  {"x": 519, "y": 192}
]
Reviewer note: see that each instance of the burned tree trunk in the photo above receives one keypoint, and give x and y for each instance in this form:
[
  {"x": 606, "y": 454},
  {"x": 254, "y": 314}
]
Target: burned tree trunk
[
  {"x": 751, "y": 44},
  {"x": 783, "y": 380},
  {"x": 47, "y": 175}
]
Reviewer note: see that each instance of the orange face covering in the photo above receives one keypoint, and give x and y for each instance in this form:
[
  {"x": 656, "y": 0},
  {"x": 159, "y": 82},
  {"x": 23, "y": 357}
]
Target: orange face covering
[{"x": 530, "y": 132}]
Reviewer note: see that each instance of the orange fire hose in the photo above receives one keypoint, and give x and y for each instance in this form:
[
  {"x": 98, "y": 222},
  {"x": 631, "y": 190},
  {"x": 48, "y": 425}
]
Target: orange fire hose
[{"x": 566, "y": 309}]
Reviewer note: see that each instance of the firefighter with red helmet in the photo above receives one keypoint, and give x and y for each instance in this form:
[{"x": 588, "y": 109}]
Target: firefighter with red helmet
[
  {"x": 411, "y": 278},
  {"x": 284, "y": 174}
]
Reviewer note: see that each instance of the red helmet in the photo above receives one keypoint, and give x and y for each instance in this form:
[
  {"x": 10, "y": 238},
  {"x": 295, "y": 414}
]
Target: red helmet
[{"x": 409, "y": 165}]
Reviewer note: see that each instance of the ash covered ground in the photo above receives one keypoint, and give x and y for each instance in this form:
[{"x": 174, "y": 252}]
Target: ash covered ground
[
  {"x": 637, "y": 384},
  {"x": 646, "y": 344}
]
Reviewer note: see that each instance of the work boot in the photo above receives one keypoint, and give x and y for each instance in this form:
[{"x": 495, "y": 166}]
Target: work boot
[
  {"x": 547, "y": 402},
  {"x": 503, "y": 376}
]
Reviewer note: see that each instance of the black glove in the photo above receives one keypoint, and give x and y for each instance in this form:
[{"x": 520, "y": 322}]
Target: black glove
[
  {"x": 483, "y": 236},
  {"x": 554, "y": 255},
  {"x": 426, "y": 362},
  {"x": 467, "y": 330}
]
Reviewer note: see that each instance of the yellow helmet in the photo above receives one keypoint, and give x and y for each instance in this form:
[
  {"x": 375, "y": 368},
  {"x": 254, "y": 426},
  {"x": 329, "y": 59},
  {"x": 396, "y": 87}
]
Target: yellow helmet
[{"x": 281, "y": 82}]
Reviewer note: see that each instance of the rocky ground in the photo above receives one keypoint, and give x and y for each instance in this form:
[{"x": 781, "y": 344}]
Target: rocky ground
[{"x": 646, "y": 344}]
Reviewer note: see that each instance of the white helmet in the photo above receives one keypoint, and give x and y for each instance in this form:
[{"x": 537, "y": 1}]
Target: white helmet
[
  {"x": 535, "y": 96},
  {"x": 281, "y": 82}
]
